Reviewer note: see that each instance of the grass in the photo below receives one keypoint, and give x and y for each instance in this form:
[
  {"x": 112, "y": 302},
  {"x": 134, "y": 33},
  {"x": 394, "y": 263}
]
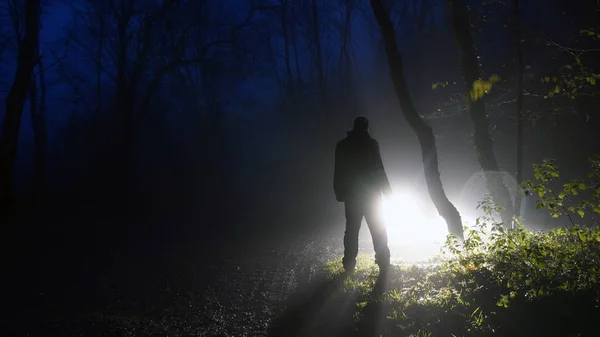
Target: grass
[
  {"x": 508, "y": 283},
  {"x": 497, "y": 282}
]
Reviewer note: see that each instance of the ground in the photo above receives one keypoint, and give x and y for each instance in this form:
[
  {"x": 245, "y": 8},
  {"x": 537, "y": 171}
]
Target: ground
[
  {"x": 281, "y": 283},
  {"x": 235, "y": 288}
]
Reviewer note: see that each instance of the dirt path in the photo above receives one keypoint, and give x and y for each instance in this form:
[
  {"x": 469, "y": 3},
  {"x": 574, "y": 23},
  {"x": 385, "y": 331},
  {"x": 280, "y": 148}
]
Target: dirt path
[{"x": 228, "y": 290}]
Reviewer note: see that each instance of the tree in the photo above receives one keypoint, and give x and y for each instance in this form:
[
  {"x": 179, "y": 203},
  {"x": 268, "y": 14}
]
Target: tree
[
  {"x": 138, "y": 47},
  {"x": 285, "y": 28},
  {"x": 346, "y": 84},
  {"x": 285, "y": 23},
  {"x": 37, "y": 111},
  {"x": 348, "y": 7},
  {"x": 518, "y": 40},
  {"x": 482, "y": 139},
  {"x": 26, "y": 61},
  {"x": 316, "y": 30},
  {"x": 424, "y": 132}
]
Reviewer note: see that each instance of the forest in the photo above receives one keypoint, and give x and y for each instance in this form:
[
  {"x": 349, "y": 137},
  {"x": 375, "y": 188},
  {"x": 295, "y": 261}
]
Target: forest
[{"x": 130, "y": 126}]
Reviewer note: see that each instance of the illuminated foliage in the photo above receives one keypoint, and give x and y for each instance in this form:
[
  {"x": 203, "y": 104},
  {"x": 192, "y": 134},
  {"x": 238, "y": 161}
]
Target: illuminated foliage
[
  {"x": 571, "y": 80},
  {"x": 575, "y": 196},
  {"x": 506, "y": 282},
  {"x": 482, "y": 87},
  {"x": 575, "y": 78},
  {"x": 441, "y": 84}
]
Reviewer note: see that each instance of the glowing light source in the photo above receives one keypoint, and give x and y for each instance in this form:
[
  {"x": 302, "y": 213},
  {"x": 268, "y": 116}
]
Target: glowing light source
[{"x": 412, "y": 233}]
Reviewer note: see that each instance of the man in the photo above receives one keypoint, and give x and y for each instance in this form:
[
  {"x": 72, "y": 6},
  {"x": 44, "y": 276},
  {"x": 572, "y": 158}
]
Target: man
[{"x": 359, "y": 179}]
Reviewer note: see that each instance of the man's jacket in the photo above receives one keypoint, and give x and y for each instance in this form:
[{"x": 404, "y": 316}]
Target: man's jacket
[{"x": 359, "y": 171}]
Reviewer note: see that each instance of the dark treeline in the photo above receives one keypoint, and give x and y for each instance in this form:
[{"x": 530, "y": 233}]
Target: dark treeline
[{"x": 224, "y": 117}]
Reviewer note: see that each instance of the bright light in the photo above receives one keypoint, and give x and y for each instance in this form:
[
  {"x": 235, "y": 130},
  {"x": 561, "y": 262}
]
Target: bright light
[{"x": 412, "y": 234}]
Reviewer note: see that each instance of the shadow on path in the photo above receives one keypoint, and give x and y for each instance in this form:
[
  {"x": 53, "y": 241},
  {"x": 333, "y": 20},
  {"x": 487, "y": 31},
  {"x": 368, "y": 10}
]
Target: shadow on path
[
  {"x": 321, "y": 309},
  {"x": 372, "y": 316},
  {"x": 324, "y": 309}
]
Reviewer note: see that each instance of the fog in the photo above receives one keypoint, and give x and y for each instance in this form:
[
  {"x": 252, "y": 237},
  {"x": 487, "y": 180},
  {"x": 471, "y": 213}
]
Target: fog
[{"x": 232, "y": 121}]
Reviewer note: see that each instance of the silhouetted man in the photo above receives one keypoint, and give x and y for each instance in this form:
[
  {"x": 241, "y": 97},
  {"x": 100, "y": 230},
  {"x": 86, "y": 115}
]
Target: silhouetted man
[{"x": 359, "y": 179}]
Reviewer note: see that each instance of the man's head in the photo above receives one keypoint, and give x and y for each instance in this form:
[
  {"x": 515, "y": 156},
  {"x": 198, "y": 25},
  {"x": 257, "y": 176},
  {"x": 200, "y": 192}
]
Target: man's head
[{"x": 361, "y": 123}]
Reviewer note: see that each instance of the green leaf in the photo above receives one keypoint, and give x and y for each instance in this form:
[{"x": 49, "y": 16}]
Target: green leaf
[
  {"x": 588, "y": 32},
  {"x": 582, "y": 186},
  {"x": 591, "y": 80},
  {"x": 580, "y": 212}
]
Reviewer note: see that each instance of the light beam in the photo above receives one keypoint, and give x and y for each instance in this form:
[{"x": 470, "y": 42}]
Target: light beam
[{"x": 412, "y": 234}]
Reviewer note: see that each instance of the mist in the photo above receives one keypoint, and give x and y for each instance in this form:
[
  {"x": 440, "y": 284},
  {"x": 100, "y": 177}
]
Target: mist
[{"x": 148, "y": 144}]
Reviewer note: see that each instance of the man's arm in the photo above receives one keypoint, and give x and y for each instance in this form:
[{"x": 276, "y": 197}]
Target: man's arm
[
  {"x": 338, "y": 175},
  {"x": 382, "y": 177}
]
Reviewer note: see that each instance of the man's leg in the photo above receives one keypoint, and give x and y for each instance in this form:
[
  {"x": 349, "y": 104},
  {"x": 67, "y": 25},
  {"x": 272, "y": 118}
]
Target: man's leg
[
  {"x": 354, "y": 216},
  {"x": 378, "y": 233}
]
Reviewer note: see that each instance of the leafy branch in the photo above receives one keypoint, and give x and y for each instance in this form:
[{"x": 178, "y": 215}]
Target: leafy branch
[{"x": 561, "y": 201}]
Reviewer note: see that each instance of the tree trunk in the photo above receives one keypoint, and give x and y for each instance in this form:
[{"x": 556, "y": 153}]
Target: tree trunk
[
  {"x": 33, "y": 113},
  {"x": 273, "y": 61},
  {"x": 122, "y": 83},
  {"x": 318, "y": 50},
  {"x": 129, "y": 76},
  {"x": 123, "y": 113},
  {"x": 484, "y": 145},
  {"x": 99, "y": 68},
  {"x": 345, "y": 62},
  {"x": 38, "y": 123},
  {"x": 286, "y": 45},
  {"x": 424, "y": 132},
  {"x": 214, "y": 181},
  {"x": 295, "y": 46},
  {"x": 519, "y": 168},
  {"x": 9, "y": 139}
]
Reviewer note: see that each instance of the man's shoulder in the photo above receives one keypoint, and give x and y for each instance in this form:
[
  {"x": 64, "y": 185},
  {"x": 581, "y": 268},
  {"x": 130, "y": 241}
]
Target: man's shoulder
[
  {"x": 348, "y": 140},
  {"x": 342, "y": 141}
]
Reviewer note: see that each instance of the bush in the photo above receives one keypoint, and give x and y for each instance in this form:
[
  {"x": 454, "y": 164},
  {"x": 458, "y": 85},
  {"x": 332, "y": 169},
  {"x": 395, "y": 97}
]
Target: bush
[{"x": 497, "y": 282}]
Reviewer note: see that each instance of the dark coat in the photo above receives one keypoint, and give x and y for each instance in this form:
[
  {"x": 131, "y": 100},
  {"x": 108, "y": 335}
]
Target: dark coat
[{"x": 359, "y": 171}]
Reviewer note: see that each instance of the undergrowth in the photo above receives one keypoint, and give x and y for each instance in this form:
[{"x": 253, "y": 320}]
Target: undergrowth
[{"x": 497, "y": 282}]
